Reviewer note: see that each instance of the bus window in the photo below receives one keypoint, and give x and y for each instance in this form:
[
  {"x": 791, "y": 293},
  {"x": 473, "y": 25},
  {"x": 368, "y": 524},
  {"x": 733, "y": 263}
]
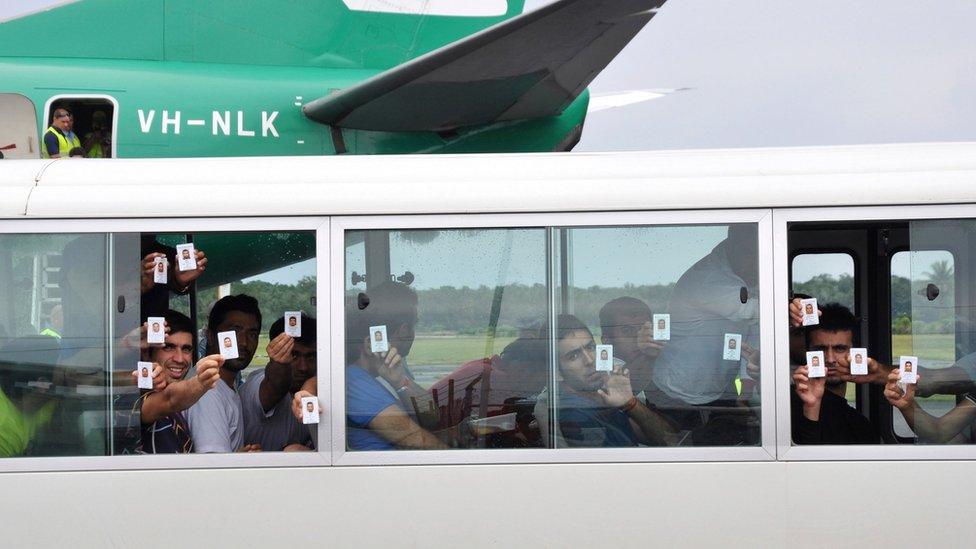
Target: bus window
[
  {"x": 677, "y": 307},
  {"x": 78, "y": 381},
  {"x": 443, "y": 346},
  {"x": 830, "y": 278}
]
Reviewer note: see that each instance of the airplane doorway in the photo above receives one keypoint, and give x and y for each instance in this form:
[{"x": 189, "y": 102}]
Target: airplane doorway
[
  {"x": 95, "y": 121},
  {"x": 18, "y": 138}
]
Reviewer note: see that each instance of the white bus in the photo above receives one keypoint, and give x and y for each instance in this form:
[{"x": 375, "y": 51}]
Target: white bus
[{"x": 496, "y": 278}]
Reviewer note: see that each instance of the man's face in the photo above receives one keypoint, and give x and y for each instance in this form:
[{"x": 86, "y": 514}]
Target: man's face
[
  {"x": 808, "y": 309},
  {"x": 732, "y": 344},
  {"x": 816, "y": 361},
  {"x": 303, "y": 365},
  {"x": 175, "y": 355},
  {"x": 292, "y": 322},
  {"x": 661, "y": 324},
  {"x": 155, "y": 326},
  {"x": 577, "y": 354},
  {"x": 160, "y": 267},
  {"x": 145, "y": 372},
  {"x": 309, "y": 407},
  {"x": 378, "y": 336},
  {"x": 836, "y": 347},
  {"x": 186, "y": 254},
  {"x": 247, "y": 329},
  {"x": 858, "y": 358},
  {"x": 908, "y": 366},
  {"x": 63, "y": 120},
  {"x": 227, "y": 342},
  {"x": 622, "y": 334}
]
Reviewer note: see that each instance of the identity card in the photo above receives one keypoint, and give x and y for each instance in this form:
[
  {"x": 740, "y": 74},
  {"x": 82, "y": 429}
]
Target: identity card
[
  {"x": 909, "y": 369},
  {"x": 144, "y": 375},
  {"x": 378, "y": 342},
  {"x": 160, "y": 270},
  {"x": 156, "y": 330},
  {"x": 186, "y": 255},
  {"x": 662, "y": 327},
  {"x": 815, "y": 364},
  {"x": 310, "y": 410},
  {"x": 732, "y": 347},
  {"x": 293, "y": 323},
  {"x": 228, "y": 345},
  {"x": 604, "y": 358},
  {"x": 859, "y": 361},
  {"x": 809, "y": 309}
]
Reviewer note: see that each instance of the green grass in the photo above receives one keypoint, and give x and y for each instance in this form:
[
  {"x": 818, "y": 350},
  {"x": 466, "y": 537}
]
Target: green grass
[{"x": 453, "y": 350}]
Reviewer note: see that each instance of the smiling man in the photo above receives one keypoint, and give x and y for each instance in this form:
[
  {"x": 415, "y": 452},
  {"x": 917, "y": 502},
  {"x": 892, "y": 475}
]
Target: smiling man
[{"x": 164, "y": 428}]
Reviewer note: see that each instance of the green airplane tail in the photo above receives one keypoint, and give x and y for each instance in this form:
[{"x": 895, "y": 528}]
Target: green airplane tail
[{"x": 369, "y": 34}]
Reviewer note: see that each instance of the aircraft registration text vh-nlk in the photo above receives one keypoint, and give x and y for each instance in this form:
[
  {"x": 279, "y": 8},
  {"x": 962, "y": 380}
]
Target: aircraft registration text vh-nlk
[{"x": 183, "y": 78}]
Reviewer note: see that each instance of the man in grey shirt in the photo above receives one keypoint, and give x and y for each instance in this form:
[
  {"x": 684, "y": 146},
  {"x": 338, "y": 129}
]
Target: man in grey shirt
[
  {"x": 267, "y": 394},
  {"x": 216, "y": 420}
]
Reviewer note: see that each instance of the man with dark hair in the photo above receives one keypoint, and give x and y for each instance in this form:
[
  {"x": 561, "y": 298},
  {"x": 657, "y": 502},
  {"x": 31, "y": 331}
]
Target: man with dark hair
[
  {"x": 378, "y": 384},
  {"x": 216, "y": 420},
  {"x": 164, "y": 427},
  {"x": 267, "y": 394},
  {"x": 59, "y": 138},
  {"x": 626, "y": 324},
  {"x": 821, "y": 414}
]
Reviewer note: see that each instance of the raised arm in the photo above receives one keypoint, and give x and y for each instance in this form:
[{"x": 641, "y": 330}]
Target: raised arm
[
  {"x": 277, "y": 374},
  {"x": 928, "y": 428},
  {"x": 180, "y": 395}
]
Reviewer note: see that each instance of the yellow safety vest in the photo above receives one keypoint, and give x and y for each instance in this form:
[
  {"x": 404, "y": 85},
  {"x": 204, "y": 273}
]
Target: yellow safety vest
[{"x": 64, "y": 147}]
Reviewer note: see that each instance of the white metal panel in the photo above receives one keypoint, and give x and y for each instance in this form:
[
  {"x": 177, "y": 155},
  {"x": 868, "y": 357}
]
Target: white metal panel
[
  {"x": 611, "y": 505},
  {"x": 707, "y": 179}
]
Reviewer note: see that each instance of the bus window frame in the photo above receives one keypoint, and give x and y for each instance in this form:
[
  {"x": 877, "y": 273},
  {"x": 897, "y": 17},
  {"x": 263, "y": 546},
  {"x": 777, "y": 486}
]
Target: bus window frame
[
  {"x": 553, "y": 221},
  {"x": 69, "y": 96},
  {"x": 321, "y": 457},
  {"x": 786, "y": 450}
]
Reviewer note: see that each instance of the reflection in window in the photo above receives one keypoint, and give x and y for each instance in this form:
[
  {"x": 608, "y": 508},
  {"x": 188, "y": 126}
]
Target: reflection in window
[
  {"x": 459, "y": 361},
  {"x": 68, "y": 389},
  {"x": 677, "y": 308}
]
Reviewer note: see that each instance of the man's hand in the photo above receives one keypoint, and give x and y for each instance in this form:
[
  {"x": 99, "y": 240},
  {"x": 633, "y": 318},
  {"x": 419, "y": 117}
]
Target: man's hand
[
  {"x": 296, "y": 404},
  {"x": 810, "y": 391},
  {"x": 146, "y": 282},
  {"x": 645, "y": 341},
  {"x": 159, "y": 377},
  {"x": 796, "y": 313},
  {"x": 208, "y": 371},
  {"x": 137, "y": 337},
  {"x": 388, "y": 365},
  {"x": 877, "y": 372},
  {"x": 248, "y": 448},
  {"x": 279, "y": 348},
  {"x": 617, "y": 391},
  {"x": 184, "y": 278},
  {"x": 900, "y": 395}
]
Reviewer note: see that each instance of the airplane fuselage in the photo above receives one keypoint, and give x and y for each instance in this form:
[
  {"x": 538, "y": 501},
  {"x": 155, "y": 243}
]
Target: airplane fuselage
[{"x": 177, "y": 109}]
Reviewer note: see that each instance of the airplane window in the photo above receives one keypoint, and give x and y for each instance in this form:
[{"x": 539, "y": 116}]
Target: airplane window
[
  {"x": 85, "y": 132},
  {"x": 677, "y": 309},
  {"x": 443, "y": 338},
  {"x": 197, "y": 355}
]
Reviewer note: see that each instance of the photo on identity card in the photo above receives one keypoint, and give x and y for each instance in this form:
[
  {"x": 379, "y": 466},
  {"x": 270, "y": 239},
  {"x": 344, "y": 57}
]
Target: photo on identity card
[
  {"x": 732, "y": 347},
  {"x": 310, "y": 410},
  {"x": 859, "y": 361},
  {"x": 815, "y": 364},
  {"x": 156, "y": 330},
  {"x": 186, "y": 255},
  {"x": 604, "y": 358},
  {"x": 377, "y": 339},
  {"x": 227, "y": 341},
  {"x": 662, "y": 327},
  {"x": 809, "y": 309},
  {"x": 909, "y": 369},
  {"x": 144, "y": 375},
  {"x": 293, "y": 323},
  {"x": 160, "y": 270}
]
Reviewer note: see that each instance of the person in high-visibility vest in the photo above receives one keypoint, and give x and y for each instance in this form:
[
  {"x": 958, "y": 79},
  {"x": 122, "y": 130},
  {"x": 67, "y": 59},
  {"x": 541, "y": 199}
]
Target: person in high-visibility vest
[
  {"x": 98, "y": 143},
  {"x": 60, "y": 138}
]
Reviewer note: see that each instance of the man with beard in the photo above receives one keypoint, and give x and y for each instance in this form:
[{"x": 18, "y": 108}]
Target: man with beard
[
  {"x": 267, "y": 394},
  {"x": 216, "y": 420},
  {"x": 821, "y": 414},
  {"x": 164, "y": 427},
  {"x": 626, "y": 324}
]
